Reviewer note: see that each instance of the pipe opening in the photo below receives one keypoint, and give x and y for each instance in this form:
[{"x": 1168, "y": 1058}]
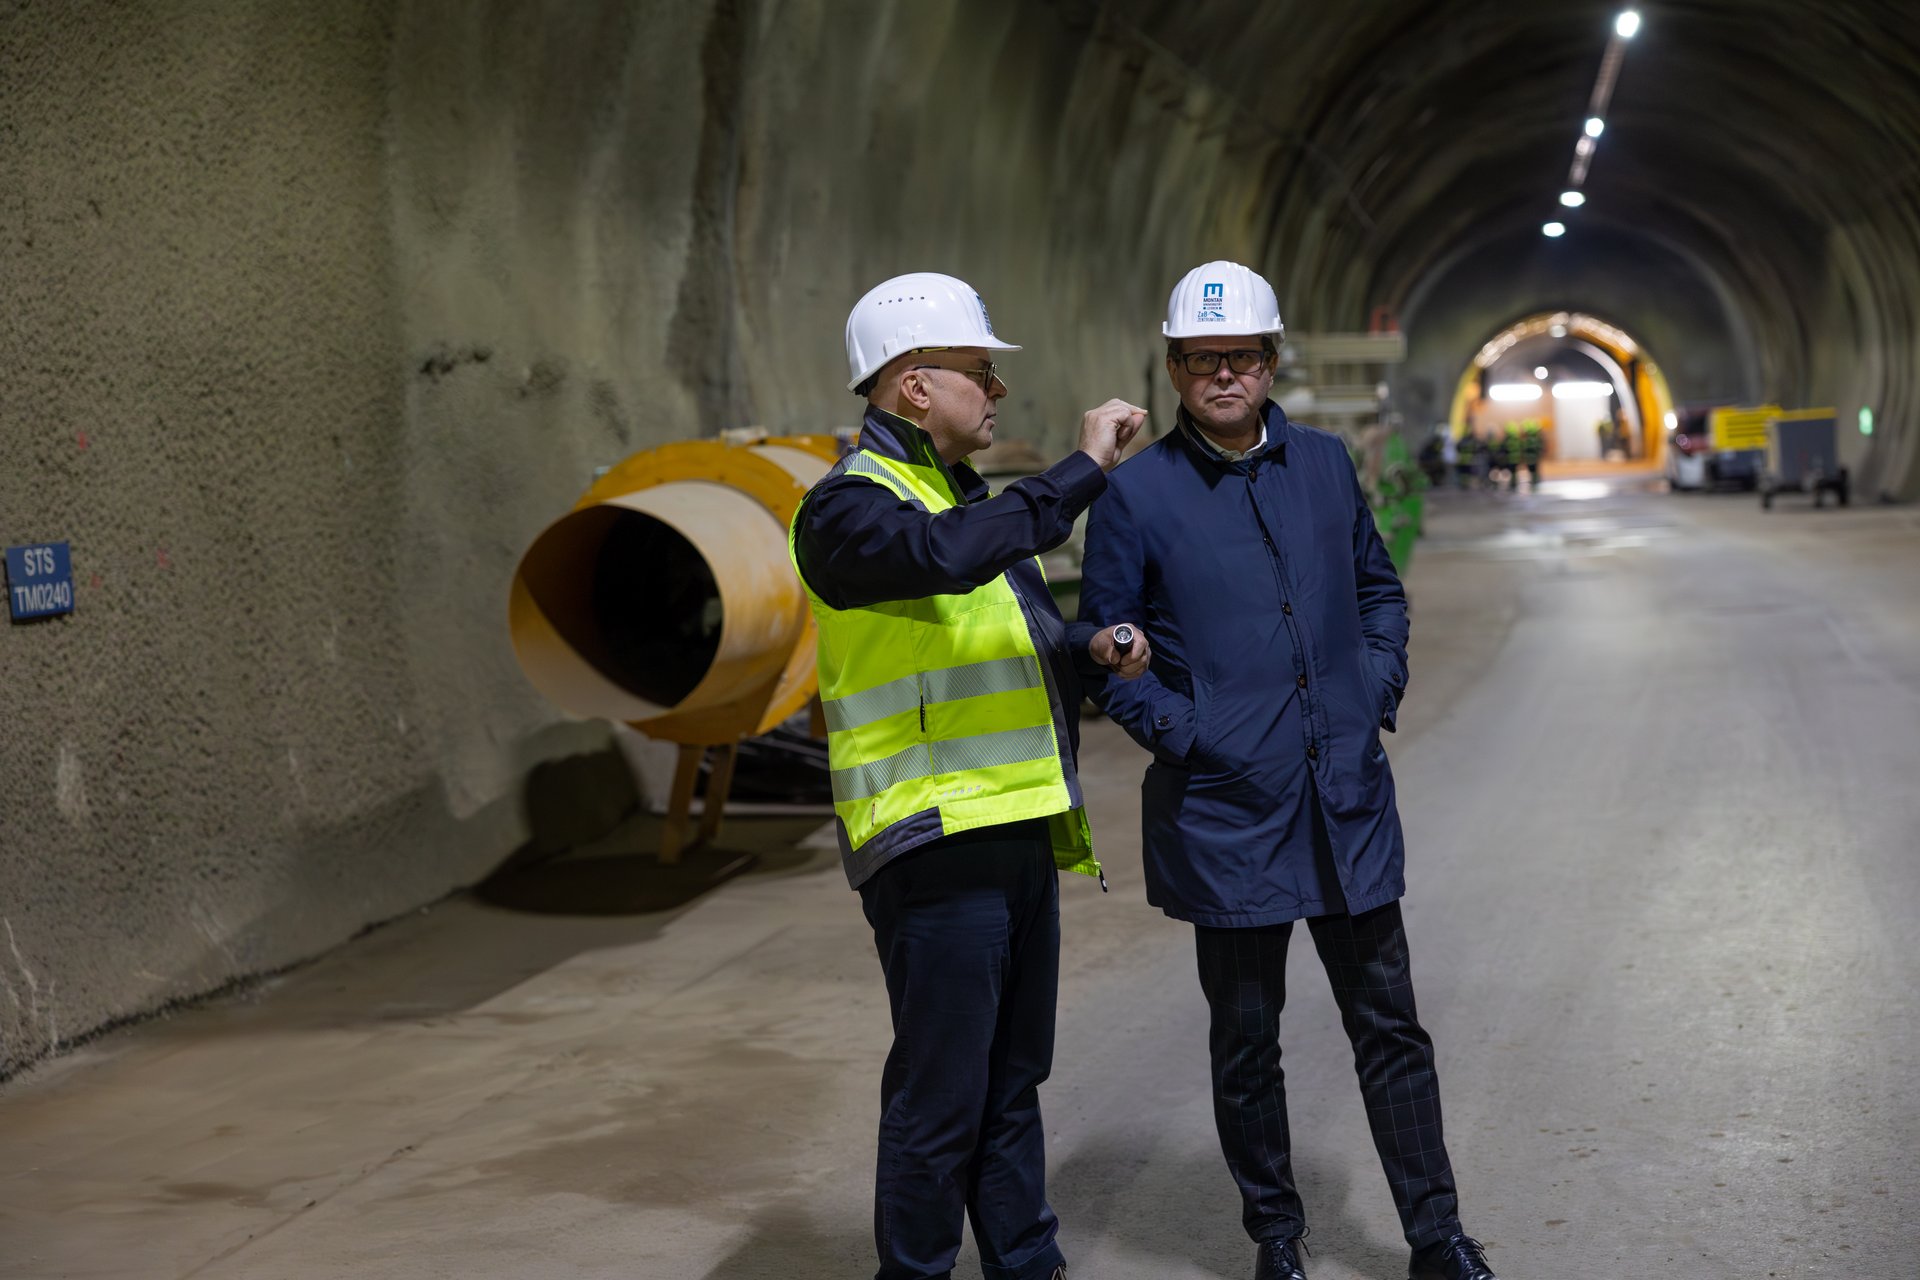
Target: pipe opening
[{"x": 647, "y": 617}]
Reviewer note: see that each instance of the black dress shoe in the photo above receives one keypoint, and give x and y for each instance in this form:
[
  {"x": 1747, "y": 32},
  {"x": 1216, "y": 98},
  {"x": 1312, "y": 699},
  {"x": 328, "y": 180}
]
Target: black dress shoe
[
  {"x": 1458, "y": 1257},
  {"x": 1280, "y": 1260}
]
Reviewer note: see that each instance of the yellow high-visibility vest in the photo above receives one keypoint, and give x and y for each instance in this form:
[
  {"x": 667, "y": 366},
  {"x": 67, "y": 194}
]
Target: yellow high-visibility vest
[{"x": 939, "y": 718}]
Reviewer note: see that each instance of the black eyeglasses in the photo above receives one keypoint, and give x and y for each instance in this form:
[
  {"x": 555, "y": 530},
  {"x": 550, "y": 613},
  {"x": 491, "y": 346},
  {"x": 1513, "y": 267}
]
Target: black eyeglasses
[
  {"x": 985, "y": 376},
  {"x": 1207, "y": 363}
]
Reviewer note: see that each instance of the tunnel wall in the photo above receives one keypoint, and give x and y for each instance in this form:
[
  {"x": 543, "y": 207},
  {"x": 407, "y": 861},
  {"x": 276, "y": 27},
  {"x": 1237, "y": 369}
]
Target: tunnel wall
[
  {"x": 316, "y": 315},
  {"x": 1864, "y": 340},
  {"x": 217, "y": 764},
  {"x": 654, "y": 218}
]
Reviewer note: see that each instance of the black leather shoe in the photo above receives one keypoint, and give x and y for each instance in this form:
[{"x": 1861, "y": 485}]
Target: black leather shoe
[
  {"x": 1458, "y": 1257},
  {"x": 1280, "y": 1260}
]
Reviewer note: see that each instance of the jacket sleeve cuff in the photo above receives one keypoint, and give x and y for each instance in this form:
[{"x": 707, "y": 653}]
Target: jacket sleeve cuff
[
  {"x": 1391, "y": 691},
  {"x": 1080, "y": 648},
  {"x": 1080, "y": 480},
  {"x": 1172, "y": 730}
]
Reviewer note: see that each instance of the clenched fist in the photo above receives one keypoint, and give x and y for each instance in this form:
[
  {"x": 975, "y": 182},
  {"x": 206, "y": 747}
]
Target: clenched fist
[{"x": 1106, "y": 431}]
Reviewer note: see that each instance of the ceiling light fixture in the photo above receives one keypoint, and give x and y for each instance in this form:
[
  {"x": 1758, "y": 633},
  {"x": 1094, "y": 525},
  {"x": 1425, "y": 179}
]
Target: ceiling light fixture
[
  {"x": 1554, "y": 230},
  {"x": 1595, "y": 126},
  {"x": 1513, "y": 391},
  {"x": 1626, "y": 24},
  {"x": 1572, "y": 199}
]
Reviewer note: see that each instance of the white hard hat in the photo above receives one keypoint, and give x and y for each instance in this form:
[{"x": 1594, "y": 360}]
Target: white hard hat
[
  {"x": 912, "y": 313},
  {"x": 1224, "y": 298}
]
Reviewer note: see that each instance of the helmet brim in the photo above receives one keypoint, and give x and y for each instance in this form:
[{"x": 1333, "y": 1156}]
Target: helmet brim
[
  {"x": 1215, "y": 331},
  {"x": 990, "y": 344}
]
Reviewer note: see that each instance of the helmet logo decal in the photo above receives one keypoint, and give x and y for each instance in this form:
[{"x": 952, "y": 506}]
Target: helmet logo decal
[
  {"x": 1213, "y": 302},
  {"x": 983, "y": 314}
]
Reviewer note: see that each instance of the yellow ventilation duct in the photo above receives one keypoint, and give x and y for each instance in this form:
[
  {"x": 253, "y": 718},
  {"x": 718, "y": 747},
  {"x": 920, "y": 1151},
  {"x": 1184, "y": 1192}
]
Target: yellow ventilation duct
[{"x": 665, "y": 599}]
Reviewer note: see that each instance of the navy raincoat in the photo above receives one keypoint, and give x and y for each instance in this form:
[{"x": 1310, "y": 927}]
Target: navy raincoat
[{"x": 1279, "y": 634}]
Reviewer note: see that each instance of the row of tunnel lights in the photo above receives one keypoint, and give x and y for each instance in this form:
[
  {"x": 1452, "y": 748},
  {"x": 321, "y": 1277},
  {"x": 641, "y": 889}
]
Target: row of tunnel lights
[{"x": 1625, "y": 27}]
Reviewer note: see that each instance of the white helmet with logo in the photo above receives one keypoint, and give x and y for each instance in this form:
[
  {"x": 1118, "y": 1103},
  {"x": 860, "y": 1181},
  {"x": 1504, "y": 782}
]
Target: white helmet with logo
[
  {"x": 1224, "y": 298},
  {"x": 913, "y": 313}
]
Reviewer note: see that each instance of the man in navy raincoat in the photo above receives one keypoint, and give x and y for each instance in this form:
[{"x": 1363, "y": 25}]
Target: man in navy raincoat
[{"x": 1245, "y": 544}]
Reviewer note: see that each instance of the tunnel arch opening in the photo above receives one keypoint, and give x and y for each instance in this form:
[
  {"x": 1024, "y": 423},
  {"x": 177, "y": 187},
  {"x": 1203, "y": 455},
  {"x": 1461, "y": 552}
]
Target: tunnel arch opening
[{"x": 1638, "y": 402}]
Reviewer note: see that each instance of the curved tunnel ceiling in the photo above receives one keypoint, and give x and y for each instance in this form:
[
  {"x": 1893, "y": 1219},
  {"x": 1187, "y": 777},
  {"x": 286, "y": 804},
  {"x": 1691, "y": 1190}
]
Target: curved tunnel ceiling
[{"x": 1768, "y": 148}]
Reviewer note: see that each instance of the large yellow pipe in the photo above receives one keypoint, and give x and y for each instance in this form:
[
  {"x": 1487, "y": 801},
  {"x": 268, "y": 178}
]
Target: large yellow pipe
[{"x": 665, "y": 598}]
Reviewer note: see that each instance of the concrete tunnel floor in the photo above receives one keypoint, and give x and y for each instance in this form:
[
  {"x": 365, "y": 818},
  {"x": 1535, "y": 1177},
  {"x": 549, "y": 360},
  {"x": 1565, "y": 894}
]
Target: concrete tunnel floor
[{"x": 1658, "y": 775}]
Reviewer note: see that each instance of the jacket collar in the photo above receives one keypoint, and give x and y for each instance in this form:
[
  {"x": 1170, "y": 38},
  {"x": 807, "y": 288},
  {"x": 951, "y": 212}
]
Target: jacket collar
[
  {"x": 1275, "y": 448},
  {"x": 892, "y": 436}
]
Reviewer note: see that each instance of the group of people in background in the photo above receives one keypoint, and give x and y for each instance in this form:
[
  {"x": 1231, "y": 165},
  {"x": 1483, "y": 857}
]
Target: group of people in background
[{"x": 1484, "y": 460}]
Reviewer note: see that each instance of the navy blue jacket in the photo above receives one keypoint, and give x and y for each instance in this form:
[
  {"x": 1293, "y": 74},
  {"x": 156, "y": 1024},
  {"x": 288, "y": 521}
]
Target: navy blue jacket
[
  {"x": 858, "y": 544},
  {"x": 1279, "y": 633}
]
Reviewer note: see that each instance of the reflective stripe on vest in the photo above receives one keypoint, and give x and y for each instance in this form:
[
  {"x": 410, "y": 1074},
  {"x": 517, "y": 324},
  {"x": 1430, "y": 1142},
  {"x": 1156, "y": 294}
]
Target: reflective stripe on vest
[
  {"x": 997, "y": 675},
  {"x": 954, "y": 755},
  {"x": 861, "y": 463}
]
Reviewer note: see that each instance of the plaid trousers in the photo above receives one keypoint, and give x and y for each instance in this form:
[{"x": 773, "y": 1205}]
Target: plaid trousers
[{"x": 1244, "y": 975}]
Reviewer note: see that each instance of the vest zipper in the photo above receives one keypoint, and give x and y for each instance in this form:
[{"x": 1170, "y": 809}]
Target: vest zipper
[{"x": 923, "y": 713}]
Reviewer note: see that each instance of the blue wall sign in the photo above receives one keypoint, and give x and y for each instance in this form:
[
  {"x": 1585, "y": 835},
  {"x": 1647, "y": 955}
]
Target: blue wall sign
[{"x": 39, "y": 581}]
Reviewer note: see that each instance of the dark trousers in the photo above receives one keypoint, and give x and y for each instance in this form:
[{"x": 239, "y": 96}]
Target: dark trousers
[
  {"x": 968, "y": 931},
  {"x": 1244, "y": 975}
]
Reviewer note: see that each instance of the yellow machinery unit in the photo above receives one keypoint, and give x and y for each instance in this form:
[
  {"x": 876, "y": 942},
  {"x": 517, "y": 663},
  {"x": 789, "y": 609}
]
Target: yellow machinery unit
[
  {"x": 665, "y": 599},
  {"x": 1732, "y": 427}
]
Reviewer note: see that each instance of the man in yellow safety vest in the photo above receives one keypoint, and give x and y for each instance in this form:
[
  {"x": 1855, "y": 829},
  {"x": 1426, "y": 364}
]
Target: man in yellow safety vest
[{"x": 951, "y": 688}]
